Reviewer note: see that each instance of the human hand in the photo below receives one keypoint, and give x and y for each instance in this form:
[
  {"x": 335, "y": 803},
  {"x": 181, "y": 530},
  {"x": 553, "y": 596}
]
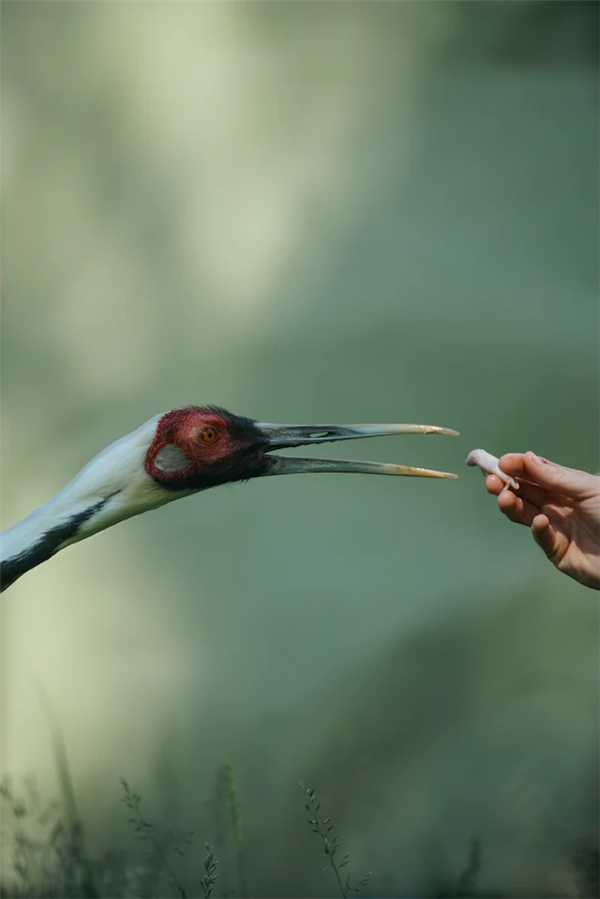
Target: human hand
[{"x": 562, "y": 508}]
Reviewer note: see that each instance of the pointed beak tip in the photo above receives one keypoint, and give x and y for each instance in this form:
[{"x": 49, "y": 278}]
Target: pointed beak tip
[
  {"x": 278, "y": 436},
  {"x": 445, "y": 475}
]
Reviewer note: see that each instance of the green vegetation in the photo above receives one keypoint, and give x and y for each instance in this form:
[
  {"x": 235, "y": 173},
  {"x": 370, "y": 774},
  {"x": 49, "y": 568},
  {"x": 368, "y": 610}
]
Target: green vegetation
[
  {"x": 44, "y": 858},
  {"x": 331, "y": 845}
]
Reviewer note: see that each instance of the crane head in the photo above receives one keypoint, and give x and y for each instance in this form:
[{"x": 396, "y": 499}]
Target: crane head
[
  {"x": 172, "y": 456},
  {"x": 195, "y": 448}
]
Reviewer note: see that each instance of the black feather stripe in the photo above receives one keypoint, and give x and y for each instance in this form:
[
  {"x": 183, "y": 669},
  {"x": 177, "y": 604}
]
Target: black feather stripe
[{"x": 11, "y": 569}]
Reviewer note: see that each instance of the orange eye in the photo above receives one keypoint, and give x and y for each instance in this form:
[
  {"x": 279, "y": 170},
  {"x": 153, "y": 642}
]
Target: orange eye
[{"x": 208, "y": 435}]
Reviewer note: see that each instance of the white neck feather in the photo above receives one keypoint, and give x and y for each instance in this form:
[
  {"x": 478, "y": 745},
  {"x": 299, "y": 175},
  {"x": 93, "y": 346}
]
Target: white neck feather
[{"x": 115, "y": 481}]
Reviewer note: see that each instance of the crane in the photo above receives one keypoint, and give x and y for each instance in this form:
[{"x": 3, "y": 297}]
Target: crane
[{"x": 173, "y": 455}]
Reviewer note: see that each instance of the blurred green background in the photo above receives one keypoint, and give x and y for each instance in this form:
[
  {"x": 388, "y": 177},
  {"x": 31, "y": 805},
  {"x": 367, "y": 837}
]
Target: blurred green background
[{"x": 308, "y": 212}]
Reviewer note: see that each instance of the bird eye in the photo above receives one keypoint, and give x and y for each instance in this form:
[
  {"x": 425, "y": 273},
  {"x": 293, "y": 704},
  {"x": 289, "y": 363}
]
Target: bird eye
[{"x": 208, "y": 435}]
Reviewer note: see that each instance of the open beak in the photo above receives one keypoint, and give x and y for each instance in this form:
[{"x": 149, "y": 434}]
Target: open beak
[{"x": 282, "y": 436}]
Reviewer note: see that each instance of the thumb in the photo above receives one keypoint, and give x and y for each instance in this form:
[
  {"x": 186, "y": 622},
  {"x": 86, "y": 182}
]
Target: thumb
[{"x": 559, "y": 479}]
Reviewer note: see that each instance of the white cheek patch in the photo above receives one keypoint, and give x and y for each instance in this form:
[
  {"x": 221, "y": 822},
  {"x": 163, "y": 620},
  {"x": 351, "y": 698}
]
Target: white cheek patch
[{"x": 171, "y": 459}]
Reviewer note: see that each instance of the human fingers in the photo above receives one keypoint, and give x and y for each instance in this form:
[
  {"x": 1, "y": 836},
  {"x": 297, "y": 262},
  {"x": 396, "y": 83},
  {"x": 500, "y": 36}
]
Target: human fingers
[
  {"x": 516, "y": 508},
  {"x": 494, "y": 485},
  {"x": 544, "y": 535},
  {"x": 536, "y": 496},
  {"x": 551, "y": 476}
]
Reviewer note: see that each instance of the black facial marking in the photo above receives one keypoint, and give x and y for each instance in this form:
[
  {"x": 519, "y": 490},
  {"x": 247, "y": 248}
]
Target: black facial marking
[
  {"x": 238, "y": 424},
  {"x": 11, "y": 569},
  {"x": 243, "y": 468}
]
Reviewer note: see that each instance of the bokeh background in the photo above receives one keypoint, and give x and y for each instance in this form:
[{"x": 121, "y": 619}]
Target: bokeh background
[{"x": 308, "y": 212}]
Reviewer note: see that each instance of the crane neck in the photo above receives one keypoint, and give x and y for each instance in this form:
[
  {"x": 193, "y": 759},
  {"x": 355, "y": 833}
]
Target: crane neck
[
  {"x": 43, "y": 533},
  {"x": 113, "y": 486}
]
